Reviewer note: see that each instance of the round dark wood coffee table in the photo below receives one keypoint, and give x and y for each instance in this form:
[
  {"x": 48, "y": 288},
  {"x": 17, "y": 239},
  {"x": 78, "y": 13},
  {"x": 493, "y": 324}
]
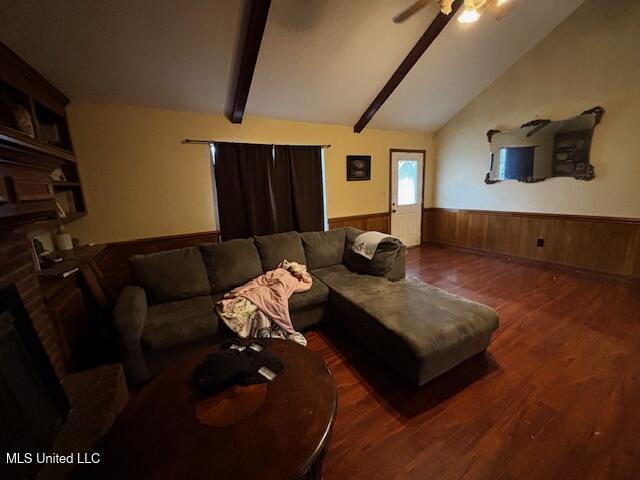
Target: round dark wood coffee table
[{"x": 284, "y": 435}]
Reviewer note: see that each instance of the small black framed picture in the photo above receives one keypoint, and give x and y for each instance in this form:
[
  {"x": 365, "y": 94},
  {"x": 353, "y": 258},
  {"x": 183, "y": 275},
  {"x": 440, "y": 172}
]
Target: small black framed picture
[{"x": 358, "y": 167}]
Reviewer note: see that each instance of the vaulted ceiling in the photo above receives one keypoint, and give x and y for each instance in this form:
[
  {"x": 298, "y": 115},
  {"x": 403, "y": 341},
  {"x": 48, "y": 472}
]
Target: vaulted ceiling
[{"x": 320, "y": 60}]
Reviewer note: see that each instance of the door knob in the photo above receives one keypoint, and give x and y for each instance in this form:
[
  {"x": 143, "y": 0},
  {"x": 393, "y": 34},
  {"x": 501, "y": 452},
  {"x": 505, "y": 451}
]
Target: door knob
[{"x": 393, "y": 211}]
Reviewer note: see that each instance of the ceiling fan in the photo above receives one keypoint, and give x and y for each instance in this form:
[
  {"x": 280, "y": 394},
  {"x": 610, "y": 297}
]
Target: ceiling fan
[{"x": 471, "y": 12}]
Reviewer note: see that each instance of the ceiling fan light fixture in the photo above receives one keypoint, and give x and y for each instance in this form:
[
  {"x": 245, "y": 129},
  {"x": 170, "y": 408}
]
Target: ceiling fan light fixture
[{"x": 469, "y": 15}]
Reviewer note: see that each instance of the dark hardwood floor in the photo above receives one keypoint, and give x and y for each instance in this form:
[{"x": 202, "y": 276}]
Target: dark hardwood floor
[{"x": 556, "y": 396}]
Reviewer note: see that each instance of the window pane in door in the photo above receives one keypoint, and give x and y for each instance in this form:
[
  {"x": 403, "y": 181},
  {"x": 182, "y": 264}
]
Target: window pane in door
[{"x": 407, "y": 182}]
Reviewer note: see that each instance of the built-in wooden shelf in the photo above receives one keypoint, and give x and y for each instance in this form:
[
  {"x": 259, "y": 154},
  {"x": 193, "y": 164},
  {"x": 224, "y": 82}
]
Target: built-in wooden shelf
[
  {"x": 72, "y": 216},
  {"x": 18, "y": 139},
  {"x": 71, "y": 259},
  {"x": 62, "y": 185},
  {"x": 34, "y": 141}
]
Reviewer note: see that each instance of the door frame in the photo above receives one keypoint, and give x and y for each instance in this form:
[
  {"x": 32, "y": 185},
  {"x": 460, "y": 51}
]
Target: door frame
[{"x": 424, "y": 169}]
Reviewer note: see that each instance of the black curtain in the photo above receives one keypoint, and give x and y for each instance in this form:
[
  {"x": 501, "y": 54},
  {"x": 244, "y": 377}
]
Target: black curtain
[
  {"x": 305, "y": 166},
  {"x": 261, "y": 193},
  {"x": 242, "y": 183}
]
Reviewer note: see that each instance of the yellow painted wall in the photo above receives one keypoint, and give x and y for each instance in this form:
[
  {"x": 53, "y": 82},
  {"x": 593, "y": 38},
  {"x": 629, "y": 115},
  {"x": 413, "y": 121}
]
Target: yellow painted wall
[
  {"x": 140, "y": 181},
  {"x": 592, "y": 58}
]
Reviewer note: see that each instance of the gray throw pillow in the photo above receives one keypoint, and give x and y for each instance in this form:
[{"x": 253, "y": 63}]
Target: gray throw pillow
[
  {"x": 381, "y": 263},
  {"x": 279, "y": 246},
  {"x": 171, "y": 275},
  {"x": 231, "y": 264},
  {"x": 323, "y": 249}
]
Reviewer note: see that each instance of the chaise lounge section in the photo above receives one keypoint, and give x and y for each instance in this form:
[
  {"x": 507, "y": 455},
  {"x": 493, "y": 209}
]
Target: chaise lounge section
[{"x": 419, "y": 330}]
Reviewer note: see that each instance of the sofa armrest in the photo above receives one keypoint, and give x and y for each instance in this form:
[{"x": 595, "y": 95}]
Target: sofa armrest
[
  {"x": 397, "y": 272},
  {"x": 129, "y": 316}
]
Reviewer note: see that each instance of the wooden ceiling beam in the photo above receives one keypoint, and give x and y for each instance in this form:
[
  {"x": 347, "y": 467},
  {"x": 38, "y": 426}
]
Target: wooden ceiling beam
[
  {"x": 257, "y": 20},
  {"x": 430, "y": 34}
]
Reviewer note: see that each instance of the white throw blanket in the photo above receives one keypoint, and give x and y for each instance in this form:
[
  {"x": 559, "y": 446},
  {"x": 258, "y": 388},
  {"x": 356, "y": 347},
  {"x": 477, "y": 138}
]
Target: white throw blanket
[{"x": 366, "y": 243}]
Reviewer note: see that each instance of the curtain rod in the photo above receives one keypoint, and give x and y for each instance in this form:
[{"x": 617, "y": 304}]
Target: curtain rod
[{"x": 209, "y": 142}]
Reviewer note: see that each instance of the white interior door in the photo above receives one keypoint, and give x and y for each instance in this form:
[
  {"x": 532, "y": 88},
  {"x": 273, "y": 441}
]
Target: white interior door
[{"x": 406, "y": 196}]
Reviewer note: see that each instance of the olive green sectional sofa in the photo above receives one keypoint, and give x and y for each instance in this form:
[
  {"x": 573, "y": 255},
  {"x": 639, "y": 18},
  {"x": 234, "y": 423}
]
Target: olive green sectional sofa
[{"x": 419, "y": 330}]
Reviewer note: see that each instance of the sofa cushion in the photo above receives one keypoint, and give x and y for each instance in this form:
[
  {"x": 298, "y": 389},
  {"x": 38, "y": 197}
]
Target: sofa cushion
[
  {"x": 231, "y": 264},
  {"x": 419, "y": 329},
  {"x": 171, "y": 275},
  {"x": 307, "y": 317},
  {"x": 280, "y": 246},
  {"x": 323, "y": 249},
  {"x": 216, "y": 297},
  {"x": 383, "y": 260},
  {"x": 330, "y": 274},
  {"x": 317, "y": 294},
  {"x": 171, "y": 325}
]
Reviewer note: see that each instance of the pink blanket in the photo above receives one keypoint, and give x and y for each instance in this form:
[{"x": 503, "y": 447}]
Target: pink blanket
[{"x": 270, "y": 293}]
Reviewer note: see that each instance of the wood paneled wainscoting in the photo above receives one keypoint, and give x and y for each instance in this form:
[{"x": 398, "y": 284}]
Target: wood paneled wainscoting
[
  {"x": 379, "y": 222},
  {"x": 600, "y": 244}
]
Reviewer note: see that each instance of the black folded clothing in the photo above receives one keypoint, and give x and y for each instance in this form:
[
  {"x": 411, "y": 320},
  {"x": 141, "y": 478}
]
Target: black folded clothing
[{"x": 235, "y": 362}]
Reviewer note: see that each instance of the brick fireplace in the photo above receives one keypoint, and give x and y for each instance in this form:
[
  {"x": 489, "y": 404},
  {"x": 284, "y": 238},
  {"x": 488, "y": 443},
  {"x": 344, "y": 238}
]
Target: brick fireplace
[{"x": 17, "y": 267}]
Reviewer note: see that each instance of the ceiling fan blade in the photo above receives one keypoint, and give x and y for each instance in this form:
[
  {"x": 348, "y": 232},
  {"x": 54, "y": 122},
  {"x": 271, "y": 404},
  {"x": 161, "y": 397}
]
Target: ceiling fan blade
[{"x": 410, "y": 11}]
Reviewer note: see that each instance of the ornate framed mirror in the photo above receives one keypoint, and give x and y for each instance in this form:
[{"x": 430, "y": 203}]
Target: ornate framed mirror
[{"x": 542, "y": 149}]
